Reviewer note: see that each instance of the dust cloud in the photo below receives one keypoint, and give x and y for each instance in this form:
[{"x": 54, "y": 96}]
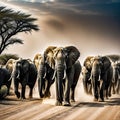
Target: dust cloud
[{"x": 91, "y": 34}]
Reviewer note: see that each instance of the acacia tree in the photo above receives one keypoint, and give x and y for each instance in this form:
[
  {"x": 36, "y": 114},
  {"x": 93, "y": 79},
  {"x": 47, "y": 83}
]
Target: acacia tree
[{"x": 12, "y": 23}]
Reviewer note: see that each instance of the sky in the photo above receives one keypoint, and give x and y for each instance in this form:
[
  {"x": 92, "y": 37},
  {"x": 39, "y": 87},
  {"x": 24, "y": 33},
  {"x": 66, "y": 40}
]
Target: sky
[
  {"x": 91, "y": 25},
  {"x": 42, "y": 1}
]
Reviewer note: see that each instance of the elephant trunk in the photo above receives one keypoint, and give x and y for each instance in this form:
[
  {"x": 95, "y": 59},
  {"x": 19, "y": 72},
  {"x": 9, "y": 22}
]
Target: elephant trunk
[
  {"x": 95, "y": 77},
  {"x": 86, "y": 78},
  {"x": 60, "y": 76},
  {"x": 85, "y": 86},
  {"x": 41, "y": 80},
  {"x": 55, "y": 71},
  {"x": 18, "y": 74}
]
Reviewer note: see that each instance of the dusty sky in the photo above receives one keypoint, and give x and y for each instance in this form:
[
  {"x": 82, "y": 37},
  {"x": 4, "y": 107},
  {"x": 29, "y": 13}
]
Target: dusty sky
[{"x": 91, "y": 25}]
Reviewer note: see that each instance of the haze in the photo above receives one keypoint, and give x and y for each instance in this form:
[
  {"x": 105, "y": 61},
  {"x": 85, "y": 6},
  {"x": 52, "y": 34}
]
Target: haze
[{"x": 92, "y": 26}]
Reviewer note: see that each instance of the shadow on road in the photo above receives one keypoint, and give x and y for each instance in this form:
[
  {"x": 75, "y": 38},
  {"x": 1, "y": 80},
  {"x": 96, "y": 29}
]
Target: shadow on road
[
  {"x": 12, "y": 100},
  {"x": 110, "y": 102}
]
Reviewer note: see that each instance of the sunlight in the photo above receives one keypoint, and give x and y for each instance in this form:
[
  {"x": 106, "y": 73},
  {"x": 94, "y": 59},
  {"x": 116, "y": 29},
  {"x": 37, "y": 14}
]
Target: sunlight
[{"x": 51, "y": 0}]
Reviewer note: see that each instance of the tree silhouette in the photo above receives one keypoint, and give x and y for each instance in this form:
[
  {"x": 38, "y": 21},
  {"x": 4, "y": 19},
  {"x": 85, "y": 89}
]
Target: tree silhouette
[
  {"x": 5, "y": 57},
  {"x": 11, "y": 23}
]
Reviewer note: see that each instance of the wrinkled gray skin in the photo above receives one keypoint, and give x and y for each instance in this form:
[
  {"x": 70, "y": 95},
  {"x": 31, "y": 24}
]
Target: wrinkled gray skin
[
  {"x": 67, "y": 70},
  {"x": 115, "y": 85},
  {"x": 45, "y": 75},
  {"x": 24, "y": 73},
  {"x": 101, "y": 76}
]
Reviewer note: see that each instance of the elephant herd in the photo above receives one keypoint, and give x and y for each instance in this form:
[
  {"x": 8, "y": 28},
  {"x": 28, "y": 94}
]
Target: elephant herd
[{"x": 100, "y": 75}]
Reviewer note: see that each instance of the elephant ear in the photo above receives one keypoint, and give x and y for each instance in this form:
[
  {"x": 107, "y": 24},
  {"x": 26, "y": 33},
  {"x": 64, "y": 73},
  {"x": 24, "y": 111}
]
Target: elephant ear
[
  {"x": 105, "y": 63},
  {"x": 9, "y": 64},
  {"x": 48, "y": 56},
  {"x": 57, "y": 50},
  {"x": 72, "y": 55},
  {"x": 48, "y": 50},
  {"x": 37, "y": 60},
  {"x": 88, "y": 63}
]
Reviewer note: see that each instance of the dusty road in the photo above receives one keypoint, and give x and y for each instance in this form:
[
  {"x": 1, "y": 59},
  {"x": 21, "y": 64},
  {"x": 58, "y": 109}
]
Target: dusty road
[{"x": 13, "y": 109}]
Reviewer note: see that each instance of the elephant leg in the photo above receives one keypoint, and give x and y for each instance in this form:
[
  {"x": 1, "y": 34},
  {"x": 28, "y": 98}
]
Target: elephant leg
[
  {"x": 68, "y": 84},
  {"x": 72, "y": 93},
  {"x": 101, "y": 98},
  {"x": 67, "y": 94},
  {"x": 16, "y": 84},
  {"x": 47, "y": 91},
  {"x": 110, "y": 89},
  {"x": 95, "y": 90},
  {"x": 8, "y": 86},
  {"x": 31, "y": 92},
  {"x": 113, "y": 91},
  {"x": 23, "y": 92},
  {"x": 41, "y": 87},
  {"x": 76, "y": 71},
  {"x": 58, "y": 93}
]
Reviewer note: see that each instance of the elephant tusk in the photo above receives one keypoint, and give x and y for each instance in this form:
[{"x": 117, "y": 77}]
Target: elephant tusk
[
  {"x": 10, "y": 78},
  {"x": 101, "y": 82},
  {"x": 89, "y": 80},
  {"x": 64, "y": 74},
  {"x": 44, "y": 75},
  {"x": 113, "y": 80},
  {"x": 64, "y": 71},
  {"x": 18, "y": 76},
  {"x": 54, "y": 74}
]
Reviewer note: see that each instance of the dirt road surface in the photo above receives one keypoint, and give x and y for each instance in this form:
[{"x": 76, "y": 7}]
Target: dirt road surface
[{"x": 37, "y": 109}]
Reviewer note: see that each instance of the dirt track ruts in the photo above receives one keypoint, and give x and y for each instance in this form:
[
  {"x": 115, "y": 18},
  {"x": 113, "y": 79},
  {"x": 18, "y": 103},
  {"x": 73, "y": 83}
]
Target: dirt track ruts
[{"x": 36, "y": 109}]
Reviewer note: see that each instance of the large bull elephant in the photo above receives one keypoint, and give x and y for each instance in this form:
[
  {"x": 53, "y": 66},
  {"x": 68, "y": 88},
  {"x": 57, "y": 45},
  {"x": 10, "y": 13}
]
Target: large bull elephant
[
  {"x": 67, "y": 69},
  {"x": 25, "y": 73},
  {"x": 101, "y": 76},
  {"x": 45, "y": 75}
]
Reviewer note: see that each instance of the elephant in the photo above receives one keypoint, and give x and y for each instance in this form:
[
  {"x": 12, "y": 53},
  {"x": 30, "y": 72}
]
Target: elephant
[
  {"x": 116, "y": 77},
  {"x": 86, "y": 74},
  {"x": 45, "y": 74},
  {"x": 5, "y": 79},
  {"x": 86, "y": 80},
  {"x": 113, "y": 57},
  {"x": 9, "y": 66},
  {"x": 101, "y": 75},
  {"x": 67, "y": 68},
  {"x": 25, "y": 73},
  {"x": 115, "y": 85}
]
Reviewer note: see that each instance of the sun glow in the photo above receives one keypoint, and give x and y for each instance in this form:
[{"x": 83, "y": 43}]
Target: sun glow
[{"x": 51, "y": 0}]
